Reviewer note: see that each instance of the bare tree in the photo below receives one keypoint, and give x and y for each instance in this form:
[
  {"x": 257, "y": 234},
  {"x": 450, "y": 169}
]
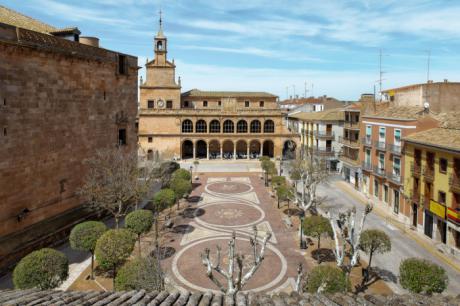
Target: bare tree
[
  {"x": 308, "y": 174},
  {"x": 113, "y": 182},
  {"x": 235, "y": 284},
  {"x": 299, "y": 279},
  {"x": 346, "y": 230}
]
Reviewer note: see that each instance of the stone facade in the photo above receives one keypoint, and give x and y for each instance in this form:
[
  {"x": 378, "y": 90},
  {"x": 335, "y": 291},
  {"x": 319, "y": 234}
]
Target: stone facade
[
  {"x": 208, "y": 125},
  {"x": 61, "y": 101}
]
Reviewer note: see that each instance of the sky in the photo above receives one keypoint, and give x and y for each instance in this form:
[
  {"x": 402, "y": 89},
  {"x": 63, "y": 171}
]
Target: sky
[{"x": 287, "y": 48}]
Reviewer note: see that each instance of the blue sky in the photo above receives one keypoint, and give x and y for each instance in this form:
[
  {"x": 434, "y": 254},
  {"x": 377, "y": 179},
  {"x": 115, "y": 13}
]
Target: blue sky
[{"x": 271, "y": 45}]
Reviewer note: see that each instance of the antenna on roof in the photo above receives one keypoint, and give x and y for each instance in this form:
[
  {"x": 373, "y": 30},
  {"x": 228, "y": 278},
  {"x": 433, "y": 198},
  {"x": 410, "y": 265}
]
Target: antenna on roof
[
  {"x": 428, "y": 63},
  {"x": 381, "y": 72},
  {"x": 305, "y": 94}
]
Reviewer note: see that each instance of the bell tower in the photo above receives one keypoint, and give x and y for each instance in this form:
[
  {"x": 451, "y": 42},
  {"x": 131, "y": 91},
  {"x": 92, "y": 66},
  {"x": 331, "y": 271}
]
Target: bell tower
[{"x": 160, "y": 43}]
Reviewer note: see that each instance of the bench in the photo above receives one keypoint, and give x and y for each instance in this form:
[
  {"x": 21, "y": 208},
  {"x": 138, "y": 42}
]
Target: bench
[{"x": 287, "y": 221}]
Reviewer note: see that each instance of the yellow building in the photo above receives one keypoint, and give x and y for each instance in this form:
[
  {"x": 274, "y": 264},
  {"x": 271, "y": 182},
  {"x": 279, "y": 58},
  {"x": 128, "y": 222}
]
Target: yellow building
[{"x": 432, "y": 184}]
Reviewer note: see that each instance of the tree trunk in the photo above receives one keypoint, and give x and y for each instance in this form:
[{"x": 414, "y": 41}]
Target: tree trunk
[
  {"x": 92, "y": 265},
  {"x": 139, "y": 239},
  {"x": 319, "y": 241},
  {"x": 370, "y": 259},
  {"x": 116, "y": 222},
  {"x": 289, "y": 211},
  {"x": 113, "y": 279},
  {"x": 278, "y": 203}
]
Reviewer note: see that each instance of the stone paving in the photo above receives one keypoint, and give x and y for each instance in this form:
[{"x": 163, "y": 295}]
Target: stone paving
[{"x": 225, "y": 203}]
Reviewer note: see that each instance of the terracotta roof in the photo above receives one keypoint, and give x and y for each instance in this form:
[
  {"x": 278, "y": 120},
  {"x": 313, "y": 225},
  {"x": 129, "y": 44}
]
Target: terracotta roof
[
  {"x": 19, "y": 20},
  {"x": 397, "y": 112},
  {"x": 437, "y": 137},
  {"x": 227, "y": 94},
  {"x": 334, "y": 114},
  {"x": 163, "y": 298},
  {"x": 450, "y": 120},
  {"x": 309, "y": 100}
]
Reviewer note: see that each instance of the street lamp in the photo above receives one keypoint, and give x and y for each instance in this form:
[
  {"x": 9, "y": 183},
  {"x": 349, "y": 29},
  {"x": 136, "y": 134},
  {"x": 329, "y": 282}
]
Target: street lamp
[{"x": 191, "y": 175}]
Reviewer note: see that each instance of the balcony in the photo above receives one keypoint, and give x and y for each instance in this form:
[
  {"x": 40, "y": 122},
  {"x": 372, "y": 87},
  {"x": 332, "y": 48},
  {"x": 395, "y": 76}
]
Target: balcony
[
  {"x": 380, "y": 145},
  {"x": 350, "y": 160},
  {"x": 454, "y": 183},
  {"x": 349, "y": 142},
  {"x": 428, "y": 173},
  {"x": 324, "y": 134},
  {"x": 354, "y": 125},
  {"x": 379, "y": 171},
  {"x": 324, "y": 151},
  {"x": 415, "y": 169},
  {"x": 394, "y": 178},
  {"x": 415, "y": 197},
  {"x": 366, "y": 141},
  {"x": 367, "y": 166},
  {"x": 395, "y": 149}
]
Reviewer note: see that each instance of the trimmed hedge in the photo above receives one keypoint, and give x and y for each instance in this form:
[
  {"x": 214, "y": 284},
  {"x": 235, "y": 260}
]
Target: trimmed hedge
[
  {"x": 114, "y": 247},
  {"x": 335, "y": 279},
  {"x": 422, "y": 276},
  {"x": 164, "y": 198},
  {"x": 43, "y": 269},
  {"x": 181, "y": 187},
  {"x": 181, "y": 174},
  {"x": 139, "y": 221},
  {"x": 84, "y": 236},
  {"x": 316, "y": 226},
  {"x": 140, "y": 273}
]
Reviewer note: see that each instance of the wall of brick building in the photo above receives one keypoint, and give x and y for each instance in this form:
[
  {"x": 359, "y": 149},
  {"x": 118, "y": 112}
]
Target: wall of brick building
[{"x": 59, "y": 109}]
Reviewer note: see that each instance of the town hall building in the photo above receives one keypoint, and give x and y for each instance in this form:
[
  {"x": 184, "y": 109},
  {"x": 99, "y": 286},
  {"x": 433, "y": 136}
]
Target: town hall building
[{"x": 207, "y": 124}]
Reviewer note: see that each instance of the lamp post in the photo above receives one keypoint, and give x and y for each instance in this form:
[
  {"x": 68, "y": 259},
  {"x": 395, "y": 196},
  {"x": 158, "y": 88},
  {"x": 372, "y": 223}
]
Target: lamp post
[{"x": 191, "y": 175}]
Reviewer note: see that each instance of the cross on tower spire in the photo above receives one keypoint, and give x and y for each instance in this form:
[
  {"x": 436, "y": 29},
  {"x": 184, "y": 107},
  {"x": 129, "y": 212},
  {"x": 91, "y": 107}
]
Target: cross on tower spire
[{"x": 160, "y": 30}]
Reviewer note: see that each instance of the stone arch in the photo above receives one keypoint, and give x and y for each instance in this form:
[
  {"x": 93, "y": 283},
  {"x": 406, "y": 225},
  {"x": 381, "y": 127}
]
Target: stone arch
[
  {"x": 268, "y": 148},
  {"x": 269, "y": 126},
  {"x": 228, "y": 126},
  {"x": 214, "y": 149},
  {"x": 187, "y": 149},
  {"x": 242, "y": 126},
  {"x": 201, "y": 126},
  {"x": 254, "y": 149},
  {"x": 289, "y": 149},
  {"x": 255, "y": 126},
  {"x": 228, "y": 149},
  {"x": 214, "y": 126},
  {"x": 201, "y": 149},
  {"x": 241, "y": 149},
  {"x": 187, "y": 126}
]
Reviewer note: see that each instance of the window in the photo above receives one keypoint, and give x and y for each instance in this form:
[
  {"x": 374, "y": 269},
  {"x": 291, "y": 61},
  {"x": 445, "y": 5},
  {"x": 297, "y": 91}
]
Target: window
[
  {"x": 187, "y": 126},
  {"x": 5, "y": 131},
  {"x": 228, "y": 127},
  {"x": 160, "y": 45},
  {"x": 385, "y": 193},
  {"x": 246, "y": 103},
  {"x": 314, "y": 108},
  {"x": 255, "y": 126},
  {"x": 205, "y": 103},
  {"x": 242, "y": 126},
  {"x": 269, "y": 126},
  {"x": 261, "y": 103},
  {"x": 169, "y": 104},
  {"x": 382, "y": 131},
  {"x": 376, "y": 188},
  {"x": 186, "y": 104},
  {"x": 442, "y": 197},
  {"x": 201, "y": 126},
  {"x": 214, "y": 126},
  {"x": 368, "y": 157},
  {"x": 443, "y": 165},
  {"x": 397, "y": 141},
  {"x": 150, "y": 104},
  {"x": 347, "y": 117},
  {"x": 150, "y": 155},
  {"x": 121, "y": 137},
  {"x": 381, "y": 161},
  {"x": 122, "y": 64},
  {"x": 368, "y": 131},
  {"x": 150, "y": 139},
  {"x": 219, "y": 103},
  {"x": 396, "y": 201},
  {"x": 396, "y": 166}
]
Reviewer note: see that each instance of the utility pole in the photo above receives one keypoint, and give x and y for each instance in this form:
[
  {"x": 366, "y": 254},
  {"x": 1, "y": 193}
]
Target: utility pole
[
  {"x": 287, "y": 92},
  {"x": 428, "y": 66},
  {"x": 312, "y": 90},
  {"x": 305, "y": 94},
  {"x": 380, "y": 75},
  {"x": 293, "y": 86}
]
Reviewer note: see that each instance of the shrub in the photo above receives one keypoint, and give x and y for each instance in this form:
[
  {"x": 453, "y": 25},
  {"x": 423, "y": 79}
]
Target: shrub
[
  {"x": 140, "y": 273},
  {"x": 422, "y": 276},
  {"x": 181, "y": 174},
  {"x": 316, "y": 226},
  {"x": 166, "y": 170},
  {"x": 84, "y": 236},
  {"x": 278, "y": 181},
  {"x": 164, "y": 198},
  {"x": 43, "y": 269},
  {"x": 114, "y": 247},
  {"x": 374, "y": 241},
  {"x": 331, "y": 279},
  {"x": 181, "y": 187},
  {"x": 139, "y": 222}
]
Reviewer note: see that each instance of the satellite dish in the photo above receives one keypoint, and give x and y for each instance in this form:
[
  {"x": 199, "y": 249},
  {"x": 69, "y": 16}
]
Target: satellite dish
[{"x": 426, "y": 105}]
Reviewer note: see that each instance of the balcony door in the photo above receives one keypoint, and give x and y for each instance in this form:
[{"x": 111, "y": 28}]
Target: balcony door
[
  {"x": 382, "y": 133},
  {"x": 396, "y": 166},
  {"x": 397, "y": 140},
  {"x": 381, "y": 163}
]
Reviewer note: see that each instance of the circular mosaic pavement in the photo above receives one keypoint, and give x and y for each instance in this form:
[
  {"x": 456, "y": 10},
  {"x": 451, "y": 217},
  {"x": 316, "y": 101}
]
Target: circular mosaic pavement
[
  {"x": 189, "y": 269},
  {"x": 230, "y": 214},
  {"x": 228, "y": 187}
]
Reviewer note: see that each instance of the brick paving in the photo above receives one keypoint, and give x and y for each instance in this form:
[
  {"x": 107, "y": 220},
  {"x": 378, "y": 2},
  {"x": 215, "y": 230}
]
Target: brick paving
[{"x": 231, "y": 202}]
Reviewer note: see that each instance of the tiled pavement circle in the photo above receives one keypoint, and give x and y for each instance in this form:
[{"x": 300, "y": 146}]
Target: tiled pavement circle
[{"x": 231, "y": 202}]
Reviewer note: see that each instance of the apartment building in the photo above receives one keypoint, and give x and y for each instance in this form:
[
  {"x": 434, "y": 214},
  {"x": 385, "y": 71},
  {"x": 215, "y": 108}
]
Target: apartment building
[
  {"x": 310, "y": 104},
  {"x": 351, "y": 166},
  {"x": 432, "y": 189},
  {"x": 320, "y": 132},
  {"x": 382, "y": 156}
]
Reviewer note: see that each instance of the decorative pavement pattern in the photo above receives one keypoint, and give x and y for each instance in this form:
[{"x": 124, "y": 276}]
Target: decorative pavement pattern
[{"x": 220, "y": 206}]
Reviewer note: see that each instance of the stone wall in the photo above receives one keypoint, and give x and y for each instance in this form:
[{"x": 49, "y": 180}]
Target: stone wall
[{"x": 60, "y": 102}]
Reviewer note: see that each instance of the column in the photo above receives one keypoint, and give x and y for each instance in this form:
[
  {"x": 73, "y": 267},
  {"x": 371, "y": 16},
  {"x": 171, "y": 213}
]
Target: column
[
  {"x": 234, "y": 151},
  {"x": 194, "y": 150},
  {"x": 247, "y": 155},
  {"x": 261, "y": 148},
  {"x": 221, "y": 152},
  {"x": 207, "y": 151}
]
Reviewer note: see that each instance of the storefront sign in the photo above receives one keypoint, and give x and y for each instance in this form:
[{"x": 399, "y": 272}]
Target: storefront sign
[
  {"x": 453, "y": 215},
  {"x": 438, "y": 209}
]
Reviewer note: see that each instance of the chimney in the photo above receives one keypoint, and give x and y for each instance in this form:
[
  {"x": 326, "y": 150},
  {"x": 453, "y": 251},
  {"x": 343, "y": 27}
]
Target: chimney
[{"x": 90, "y": 41}]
